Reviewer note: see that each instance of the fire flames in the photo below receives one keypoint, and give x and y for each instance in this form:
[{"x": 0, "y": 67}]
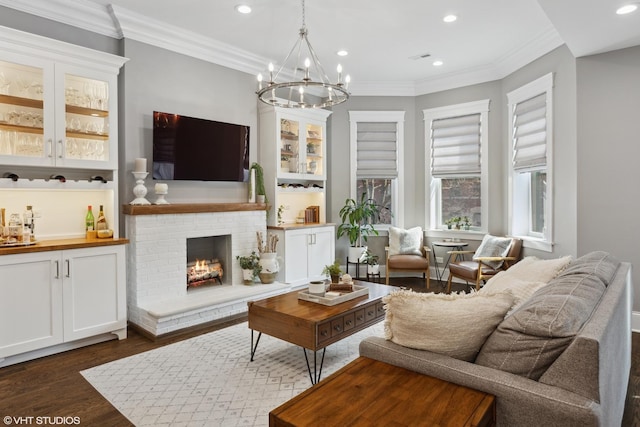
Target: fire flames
[{"x": 202, "y": 272}]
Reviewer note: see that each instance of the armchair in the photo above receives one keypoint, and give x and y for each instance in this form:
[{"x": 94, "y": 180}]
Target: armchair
[
  {"x": 407, "y": 253},
  {"x": 485, "y": 262}
]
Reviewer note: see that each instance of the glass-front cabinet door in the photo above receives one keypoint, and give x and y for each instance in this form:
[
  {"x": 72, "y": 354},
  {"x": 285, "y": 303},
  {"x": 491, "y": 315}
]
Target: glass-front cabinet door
[
  {"x": 301, "y": 149},
  {"x": 83, "y": 131},
  {"x": 24, "y": 110},
  {"x": 53, "y": 115}
]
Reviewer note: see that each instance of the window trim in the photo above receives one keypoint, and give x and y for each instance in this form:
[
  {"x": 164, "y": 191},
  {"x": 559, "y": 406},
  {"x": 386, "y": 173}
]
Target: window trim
[
  {"x": 398, "y": 187},
  {"x": 433, "y": 219},
  {"x": 545, "y": 243}
]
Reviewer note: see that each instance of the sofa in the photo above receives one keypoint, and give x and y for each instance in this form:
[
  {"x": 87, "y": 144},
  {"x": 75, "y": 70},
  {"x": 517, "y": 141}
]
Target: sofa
[{"x": 587, "y": 347}]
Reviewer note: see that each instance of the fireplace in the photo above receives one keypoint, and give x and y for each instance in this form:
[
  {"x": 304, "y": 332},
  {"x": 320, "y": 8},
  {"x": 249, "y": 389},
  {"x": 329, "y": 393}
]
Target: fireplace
[{"x": 207, "y": 258}]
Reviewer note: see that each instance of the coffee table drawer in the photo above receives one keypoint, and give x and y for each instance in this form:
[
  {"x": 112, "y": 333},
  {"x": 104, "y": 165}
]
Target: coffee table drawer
[
  {"x": 349, "y": 321},
  {"x": 370, "y": 312}
]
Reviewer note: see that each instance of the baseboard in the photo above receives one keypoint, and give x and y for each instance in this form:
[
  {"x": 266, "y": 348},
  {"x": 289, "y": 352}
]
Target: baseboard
[{"x": 635, "y": 321}]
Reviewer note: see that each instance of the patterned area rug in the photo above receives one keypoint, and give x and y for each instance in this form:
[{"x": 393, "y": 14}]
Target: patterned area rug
[{"x": 210, "y": 381}]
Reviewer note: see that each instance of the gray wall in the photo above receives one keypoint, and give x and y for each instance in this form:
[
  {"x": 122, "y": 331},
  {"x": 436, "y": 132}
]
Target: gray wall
[
  {"x": 608, "y": 100},
  {"x": 162, "y": 80}
]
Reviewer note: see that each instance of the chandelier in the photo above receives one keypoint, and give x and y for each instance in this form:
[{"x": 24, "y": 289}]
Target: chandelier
[{"x": 309, "y": 86}]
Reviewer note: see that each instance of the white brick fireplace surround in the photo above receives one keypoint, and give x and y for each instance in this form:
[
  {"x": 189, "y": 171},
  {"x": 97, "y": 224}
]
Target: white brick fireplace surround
[{"x": 157, "y": 297}]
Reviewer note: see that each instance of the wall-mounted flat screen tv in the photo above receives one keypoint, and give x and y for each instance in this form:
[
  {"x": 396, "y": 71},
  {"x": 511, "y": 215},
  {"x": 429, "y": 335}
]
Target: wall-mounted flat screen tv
[{"x": 187, "y": 148}]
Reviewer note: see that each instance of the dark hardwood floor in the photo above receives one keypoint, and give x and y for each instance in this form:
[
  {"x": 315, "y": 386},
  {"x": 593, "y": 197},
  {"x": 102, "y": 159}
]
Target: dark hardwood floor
[{"x": 53, "y": 387}]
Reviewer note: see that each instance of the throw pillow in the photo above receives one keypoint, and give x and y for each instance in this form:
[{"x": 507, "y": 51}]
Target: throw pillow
[
  {"x": 493, "y": 246},
  {"x": 534, "y": 269},
  {"x": 531, "y": 339},
  {"x": 456, "y": 325},
  {"x": 599, "y": 263},
  {"x": 405, "y": 242},
  {"x": 522, "y": 290}
]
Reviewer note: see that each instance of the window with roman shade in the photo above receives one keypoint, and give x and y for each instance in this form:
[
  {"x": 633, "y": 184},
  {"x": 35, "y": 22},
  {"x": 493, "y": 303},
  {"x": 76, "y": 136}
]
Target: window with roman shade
[
  {"x": 456, "y": 140},
  {"x": 376, "y": 141},
  {"x": 530, "y": 121}
]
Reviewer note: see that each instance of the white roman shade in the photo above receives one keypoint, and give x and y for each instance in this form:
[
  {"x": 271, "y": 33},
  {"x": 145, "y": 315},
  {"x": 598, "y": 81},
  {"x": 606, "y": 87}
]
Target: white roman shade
[
  {"x": 455, "y": 146},
  {"x": 377, "y": 150},
  {"x": 530, "y": 134}
]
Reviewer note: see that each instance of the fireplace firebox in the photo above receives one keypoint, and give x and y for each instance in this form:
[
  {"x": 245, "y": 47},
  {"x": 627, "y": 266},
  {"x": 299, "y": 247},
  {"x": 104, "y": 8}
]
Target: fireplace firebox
[{"x": 208, "y": 261}]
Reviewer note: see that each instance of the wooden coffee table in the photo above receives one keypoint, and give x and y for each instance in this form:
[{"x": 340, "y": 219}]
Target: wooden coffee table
[
  {"x": 314, "y": 326},
  {"x": 368, "y": 392}
]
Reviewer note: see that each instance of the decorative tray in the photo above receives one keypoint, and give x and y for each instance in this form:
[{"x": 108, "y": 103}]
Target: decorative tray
[
  {"x": 5, "y": 244},
  {"x": 358, "y": 291}
]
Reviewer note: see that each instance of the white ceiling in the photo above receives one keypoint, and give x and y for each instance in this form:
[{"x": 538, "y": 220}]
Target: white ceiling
[{"x": 490, "y": 39}]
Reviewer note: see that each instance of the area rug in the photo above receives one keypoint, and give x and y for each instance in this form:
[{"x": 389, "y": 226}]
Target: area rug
[{"x": 210, "y": 381}]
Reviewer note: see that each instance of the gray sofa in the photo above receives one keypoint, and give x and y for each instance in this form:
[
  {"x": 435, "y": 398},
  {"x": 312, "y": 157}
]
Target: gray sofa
[{"x": 585, "y": 383}]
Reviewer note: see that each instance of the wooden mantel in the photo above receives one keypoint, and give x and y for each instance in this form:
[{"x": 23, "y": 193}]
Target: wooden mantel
[{"x": 184, "y": 208}]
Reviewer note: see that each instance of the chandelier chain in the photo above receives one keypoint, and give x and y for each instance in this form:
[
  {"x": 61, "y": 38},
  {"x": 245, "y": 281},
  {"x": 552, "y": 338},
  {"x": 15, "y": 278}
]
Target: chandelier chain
[{"x": 304, "y": 25}]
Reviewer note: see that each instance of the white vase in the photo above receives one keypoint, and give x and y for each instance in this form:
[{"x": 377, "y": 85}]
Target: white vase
[
  {"x": 269, "y": 262},
  {"x": 356, "y": 253}
]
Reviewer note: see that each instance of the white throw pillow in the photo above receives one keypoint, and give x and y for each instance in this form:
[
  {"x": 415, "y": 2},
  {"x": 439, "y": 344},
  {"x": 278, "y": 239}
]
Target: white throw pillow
[
  {"x": 533, "y": 269},
  {"x": 453, "y": 324},
  {"x": 405, "y": 242},
  {"x": 522, "y": 290},
  {"x": 493, "y": 246}
]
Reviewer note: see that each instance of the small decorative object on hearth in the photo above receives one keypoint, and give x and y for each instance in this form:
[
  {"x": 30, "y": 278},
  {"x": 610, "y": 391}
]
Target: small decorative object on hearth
[
  {"x": 250, "y": 266},
  {"x": 268, "y": 258}
]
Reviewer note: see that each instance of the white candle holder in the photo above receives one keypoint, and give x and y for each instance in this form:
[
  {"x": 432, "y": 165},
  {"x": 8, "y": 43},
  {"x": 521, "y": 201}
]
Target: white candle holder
[
  {"x": 140, "y": 190},
  {"x": 161, "y": 191}
]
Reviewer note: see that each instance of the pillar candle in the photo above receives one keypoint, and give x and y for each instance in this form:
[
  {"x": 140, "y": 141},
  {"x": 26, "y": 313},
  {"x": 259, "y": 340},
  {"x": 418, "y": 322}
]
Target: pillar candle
[
  {"x": 162, "y": 188},
  {"x": 141, "y": 165},
  {"x": 252, "y": 188}
]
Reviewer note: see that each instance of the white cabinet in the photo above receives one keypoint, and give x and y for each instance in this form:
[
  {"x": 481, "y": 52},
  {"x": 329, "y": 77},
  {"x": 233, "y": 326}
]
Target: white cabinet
[
  {"x": 54, "y": 297},
  {"x": 293, "y": 151},
  {"x": 54, "y": 110},
  {"x": 58, "y": 117},
  {"x": 304, "y": 252}
]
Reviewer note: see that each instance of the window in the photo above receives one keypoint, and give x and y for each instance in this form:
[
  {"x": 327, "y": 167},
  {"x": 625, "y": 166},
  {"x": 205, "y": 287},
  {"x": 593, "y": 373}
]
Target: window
[
  {"x": 377, "y": 139},
  {"x": 456, "y": 143},
  {"x": 530, "y": 134}
]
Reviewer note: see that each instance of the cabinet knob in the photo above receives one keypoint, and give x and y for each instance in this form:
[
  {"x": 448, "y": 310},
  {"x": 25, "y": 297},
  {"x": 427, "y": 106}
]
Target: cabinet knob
[
  {"x": 324, "y": 333},
  {"x": 348, "y": 322},
  {"x": 337, "y": 328}
]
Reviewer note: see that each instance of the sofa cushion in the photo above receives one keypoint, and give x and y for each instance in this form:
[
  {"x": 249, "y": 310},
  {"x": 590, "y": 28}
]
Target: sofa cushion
[
  {"x": 405, "y": 242},
  {"x": 455, "y": 325},
  {"x": 599, "y": 263},
  {"x": 492, "y": 246},
  {"x": 526, "y": 277},
  {"x": 528, "y": 341}
]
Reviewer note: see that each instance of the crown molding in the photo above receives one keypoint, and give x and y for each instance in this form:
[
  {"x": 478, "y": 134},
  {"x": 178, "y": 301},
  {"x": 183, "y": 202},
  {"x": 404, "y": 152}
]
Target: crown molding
[
  {"x": 132, "y": 25},
  {"x": 119, "y": 22},
  {"x": 81, "y": 14}
]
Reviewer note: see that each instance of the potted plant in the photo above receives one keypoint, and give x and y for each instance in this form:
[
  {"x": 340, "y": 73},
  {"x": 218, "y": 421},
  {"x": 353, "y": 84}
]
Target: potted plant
[
  {"x": 260, "y": 191},
  {"x": 449, "y": 223},
  {"x": 371, "y": 260},
  {"x": 333, "y": 270},
  {"x": 250, "y": 266},
  {"x": 466, "y": 222},
  {"x": 356, "y": 219}
]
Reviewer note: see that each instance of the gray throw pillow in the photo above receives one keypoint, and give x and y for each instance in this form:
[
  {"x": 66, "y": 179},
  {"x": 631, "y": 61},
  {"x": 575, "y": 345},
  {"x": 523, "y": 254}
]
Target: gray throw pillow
[
  {"x": 599, "y": 263},
  {"x": 528, "y": 341}
]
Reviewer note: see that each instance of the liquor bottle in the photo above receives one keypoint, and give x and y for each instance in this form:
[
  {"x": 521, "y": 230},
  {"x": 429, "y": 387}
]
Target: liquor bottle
[
  {"x": 28, "y": 221},
  {"x": 101, "y": 222},
  {"x": 90, "y": 220}
]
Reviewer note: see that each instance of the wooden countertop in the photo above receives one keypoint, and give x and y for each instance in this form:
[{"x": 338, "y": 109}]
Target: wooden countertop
[
  {"x": 61, "y": 244},
  {"x": 293, "y": 226},
  {"x": 183, "y": 208}
]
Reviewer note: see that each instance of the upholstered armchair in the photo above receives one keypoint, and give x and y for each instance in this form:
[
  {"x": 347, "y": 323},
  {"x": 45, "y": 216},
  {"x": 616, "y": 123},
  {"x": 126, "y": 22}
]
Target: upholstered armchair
[
  {"x": 407, "y": 253},
  {"x": 495, "y": 254}
]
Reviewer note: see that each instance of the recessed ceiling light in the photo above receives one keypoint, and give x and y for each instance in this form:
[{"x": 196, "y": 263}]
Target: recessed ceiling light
[
  {"x": 342, "y": 52},
  {"x": 243, "y": 8},
  {"x": 632, "y": 7},
  {"x": 449, "y": 18},
  {"x": 437, "y": 63}
]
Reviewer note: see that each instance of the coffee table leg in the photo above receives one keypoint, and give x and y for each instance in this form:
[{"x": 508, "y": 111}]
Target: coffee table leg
[
  {"x": 254, "y": 347},
  {"x": 315, "y": 377}
]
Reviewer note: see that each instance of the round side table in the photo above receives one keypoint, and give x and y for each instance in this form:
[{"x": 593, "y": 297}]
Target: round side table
[{"x": 451, "y": 246}]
